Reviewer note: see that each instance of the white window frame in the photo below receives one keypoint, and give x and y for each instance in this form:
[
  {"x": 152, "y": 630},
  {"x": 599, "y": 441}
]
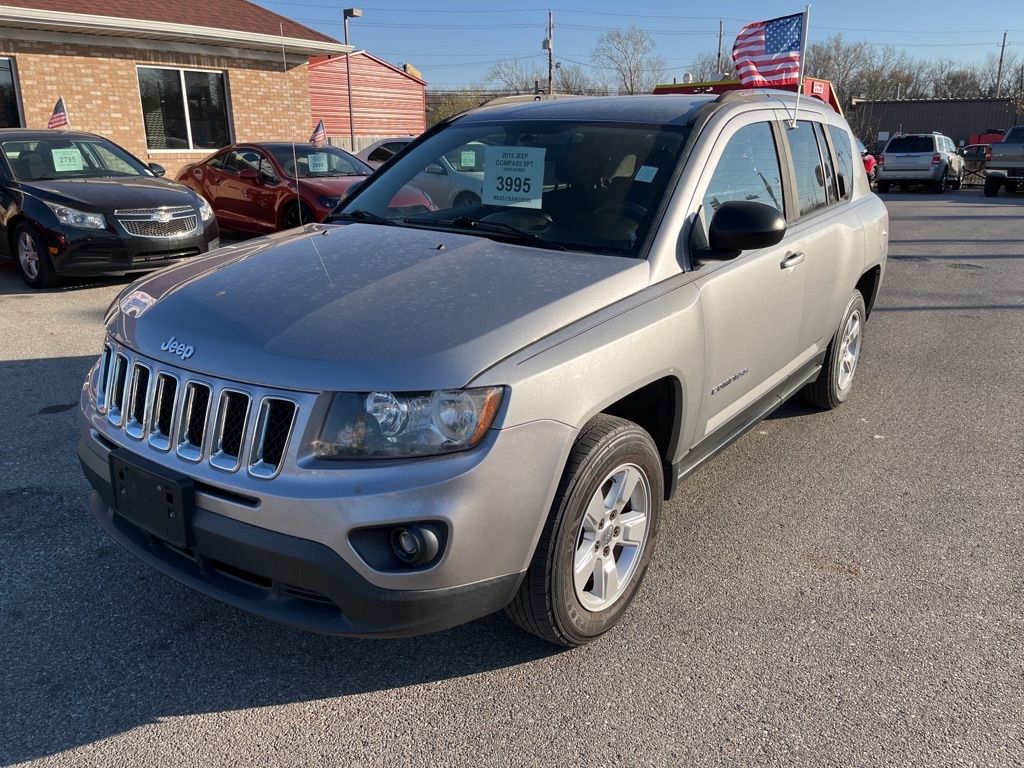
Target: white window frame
[
  {"x": 188, "y": 115},
  {"x": 17, "y": 89}
]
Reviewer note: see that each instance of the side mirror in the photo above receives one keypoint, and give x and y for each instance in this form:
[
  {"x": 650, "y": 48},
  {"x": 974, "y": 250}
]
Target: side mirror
[
  {"x": 249, "y": 174},
  {"x": 435, "y": 168},
  {"x": 157, "y": 169},
  {"x": 741, "y": 225}
]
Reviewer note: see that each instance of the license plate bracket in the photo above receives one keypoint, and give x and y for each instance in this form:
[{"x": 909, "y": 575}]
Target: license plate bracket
[{"x": 152, "y": 497}]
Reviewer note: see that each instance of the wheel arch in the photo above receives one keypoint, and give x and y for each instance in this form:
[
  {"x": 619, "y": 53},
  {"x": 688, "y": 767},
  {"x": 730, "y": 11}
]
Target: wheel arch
[
  {"x": 656, "y": 407},
  {"x": 868, "y": 286}
]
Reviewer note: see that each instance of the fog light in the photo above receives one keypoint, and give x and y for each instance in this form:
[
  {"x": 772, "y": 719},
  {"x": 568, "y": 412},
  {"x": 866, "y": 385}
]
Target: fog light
[{"x": 414, "y": 544}]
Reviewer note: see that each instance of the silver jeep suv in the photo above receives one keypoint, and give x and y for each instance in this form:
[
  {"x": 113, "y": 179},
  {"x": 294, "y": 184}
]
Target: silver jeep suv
[{"x": 391, "y": 424}]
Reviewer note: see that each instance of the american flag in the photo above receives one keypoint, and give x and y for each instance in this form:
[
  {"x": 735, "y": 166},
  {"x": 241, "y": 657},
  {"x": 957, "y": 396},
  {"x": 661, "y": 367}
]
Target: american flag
[
  {"x": 59, "y": 118},
  {"x": 767, "y": 53},
  {"x": 319, "y": 135}
]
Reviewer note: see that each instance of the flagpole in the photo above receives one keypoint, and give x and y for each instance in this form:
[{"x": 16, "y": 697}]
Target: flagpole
[{"x": 803, "y": 58}]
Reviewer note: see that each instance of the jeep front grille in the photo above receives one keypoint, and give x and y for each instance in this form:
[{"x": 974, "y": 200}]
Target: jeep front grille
[{"x": 228, "y": 425}]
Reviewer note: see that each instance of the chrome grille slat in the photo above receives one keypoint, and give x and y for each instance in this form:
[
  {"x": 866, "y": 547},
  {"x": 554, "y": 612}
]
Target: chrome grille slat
[
  {"x": 229, "y": 429},
  {"x": 203, "y": 419},
  {"x": 271, "y": 436},
  {"x": 194, "y": 416},
  {"x": 137, "y": 404},
  {"x": 116, "y": 390},
  {"x": 161, "y": 424}
]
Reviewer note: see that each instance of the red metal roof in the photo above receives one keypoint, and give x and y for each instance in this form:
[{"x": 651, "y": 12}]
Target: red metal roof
[{"x": 239, "y": 15}]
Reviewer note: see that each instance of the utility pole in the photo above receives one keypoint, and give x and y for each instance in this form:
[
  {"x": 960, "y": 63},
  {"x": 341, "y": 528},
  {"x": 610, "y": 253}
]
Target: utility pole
[
  {"x": 549, "y": 43},
  {"x": 721, "y": 36},
  {"x": 349, "y": 13},
  {"x": 999, "y": 72}
]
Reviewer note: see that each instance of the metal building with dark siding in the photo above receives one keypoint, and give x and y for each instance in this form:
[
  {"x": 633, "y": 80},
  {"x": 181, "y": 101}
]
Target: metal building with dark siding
[{"x": 956, "y": 118}]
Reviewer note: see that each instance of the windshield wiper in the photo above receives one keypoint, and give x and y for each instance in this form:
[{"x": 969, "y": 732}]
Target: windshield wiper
[
  {"x": 496, "y": 227},
  {"x": 366, "y": 217}
]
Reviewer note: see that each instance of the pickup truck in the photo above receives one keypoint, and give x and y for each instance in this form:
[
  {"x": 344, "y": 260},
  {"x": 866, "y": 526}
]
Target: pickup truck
[{"x": 1006, "y": 167}]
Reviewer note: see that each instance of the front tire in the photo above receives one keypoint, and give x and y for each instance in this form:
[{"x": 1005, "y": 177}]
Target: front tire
[
  {"x": 835, "y": 381},
  {"x": 33, "y": 260},
  {"x": 883, "y": 187},
  {"x": 598, "y": 539},
  {"x": 296, "y": 215},
  {"x": 991, "y": 186}
]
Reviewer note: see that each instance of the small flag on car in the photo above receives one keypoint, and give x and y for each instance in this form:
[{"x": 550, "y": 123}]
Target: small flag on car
[
  {"x": 768, "y": 53},
  {"x": 59, "y": 118},
  {"x": 319, "y": 135}
]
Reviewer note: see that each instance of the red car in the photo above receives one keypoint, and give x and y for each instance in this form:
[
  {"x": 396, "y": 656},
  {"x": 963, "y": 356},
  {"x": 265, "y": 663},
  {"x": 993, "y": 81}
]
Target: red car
[
  {"x": 870, "y": 163},
  {"x": 253, "y": 187}
]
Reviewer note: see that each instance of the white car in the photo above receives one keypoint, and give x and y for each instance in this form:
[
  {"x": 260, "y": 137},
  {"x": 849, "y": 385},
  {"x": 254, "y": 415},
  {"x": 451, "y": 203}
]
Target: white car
[{"x": 381, "y": 151}]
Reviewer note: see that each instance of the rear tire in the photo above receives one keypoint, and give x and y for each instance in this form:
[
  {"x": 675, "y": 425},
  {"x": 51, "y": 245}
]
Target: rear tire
[
  {"x": 883, "y": 187},
  {"x": 835, "y": 381},
  {"x": 598, "y": 539},
  {"x": 991, "y": 187},
  {"x": 33, "y": 259},
  {"x": 940, "y": 185}
]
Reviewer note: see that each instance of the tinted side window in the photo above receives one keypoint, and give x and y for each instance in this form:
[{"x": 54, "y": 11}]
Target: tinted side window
[
  {"x": 826, "y": 164},
  {"x": 216, "y": 162},
  {"x": 811, "y": 176},
  {"x": 380, "y": 154},
  {"x": 844, "y": 155},
  {"x": 747, "y": 170},
  {"x": 243, "y": 160}
]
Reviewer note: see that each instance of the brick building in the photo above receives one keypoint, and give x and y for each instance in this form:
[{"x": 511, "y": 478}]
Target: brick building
[
  {"x": 386, "y": 100},
  {"x": 144, "y": 74}
]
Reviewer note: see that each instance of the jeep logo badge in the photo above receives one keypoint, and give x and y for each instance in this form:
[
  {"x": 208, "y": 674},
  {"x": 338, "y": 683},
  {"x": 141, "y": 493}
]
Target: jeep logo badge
[{"x": 182, "y": 350}]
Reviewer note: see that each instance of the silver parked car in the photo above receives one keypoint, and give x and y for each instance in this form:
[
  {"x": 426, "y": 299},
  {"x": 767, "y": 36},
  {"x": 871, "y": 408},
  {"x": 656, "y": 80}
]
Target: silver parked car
[
  {"x": 388, "y": 426},
  {"x": 930, "y": 159},
  {"x": 454, "y": 179},
  {"x": 378, "y": 153}
]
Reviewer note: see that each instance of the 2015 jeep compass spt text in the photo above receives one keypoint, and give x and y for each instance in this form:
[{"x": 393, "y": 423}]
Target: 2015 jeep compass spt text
[{"x": 390, "y": 424}]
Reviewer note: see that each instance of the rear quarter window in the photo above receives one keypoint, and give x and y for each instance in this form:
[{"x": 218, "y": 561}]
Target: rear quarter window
[{"x": 844, "y": 156}]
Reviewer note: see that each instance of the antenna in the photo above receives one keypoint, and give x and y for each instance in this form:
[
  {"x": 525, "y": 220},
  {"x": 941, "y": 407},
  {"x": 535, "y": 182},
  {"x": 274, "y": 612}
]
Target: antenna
[
  {"x": 295, "y": 159},
  {"x": 295, "y": 164}
]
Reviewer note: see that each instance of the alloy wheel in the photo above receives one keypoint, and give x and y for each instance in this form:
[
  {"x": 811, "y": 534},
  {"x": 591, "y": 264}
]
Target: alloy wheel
[
  {"x": 612, "y": 537},
  {"x": 28, "y": 256},
  {"x": 849, "y": 351}
]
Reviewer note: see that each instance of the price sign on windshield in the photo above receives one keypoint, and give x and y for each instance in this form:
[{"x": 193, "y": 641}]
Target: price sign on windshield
[
  {"x": 514, "y": 177},
  {"x": 318, "y": 162},
  {"x": 69, "y": 159}
]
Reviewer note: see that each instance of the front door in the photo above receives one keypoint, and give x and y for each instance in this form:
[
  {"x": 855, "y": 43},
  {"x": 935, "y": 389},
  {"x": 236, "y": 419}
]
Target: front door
[{"x": 752, "y": 305}]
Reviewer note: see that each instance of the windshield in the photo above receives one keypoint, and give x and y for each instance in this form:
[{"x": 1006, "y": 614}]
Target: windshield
[
  {"x": 558, "y": 184},
  {"x": 318, "y": 162},
  {"x": 67, "y": 158}
]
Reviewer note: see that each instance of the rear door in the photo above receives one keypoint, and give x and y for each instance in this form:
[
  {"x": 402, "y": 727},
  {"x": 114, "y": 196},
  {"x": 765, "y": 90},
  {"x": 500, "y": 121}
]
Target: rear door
[{"x": 752, "y": 305}]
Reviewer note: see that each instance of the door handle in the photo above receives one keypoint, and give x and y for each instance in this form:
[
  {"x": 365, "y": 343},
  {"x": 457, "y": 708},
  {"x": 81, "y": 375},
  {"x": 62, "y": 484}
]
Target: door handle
[{"x": 791, "y": 260}]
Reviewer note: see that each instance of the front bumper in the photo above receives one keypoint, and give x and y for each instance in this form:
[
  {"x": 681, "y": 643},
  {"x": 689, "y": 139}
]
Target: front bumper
[
  {"x": 282, "y": 548},
  {"x": 295, "y": 581},
  {"x": 88, "y": 252}
]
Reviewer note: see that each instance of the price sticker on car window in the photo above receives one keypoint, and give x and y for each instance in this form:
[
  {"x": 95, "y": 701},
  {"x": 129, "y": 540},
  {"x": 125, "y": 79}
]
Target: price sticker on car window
[
  {"x": 468, "y": 158},
  {"x": 318, "y": 162},
  {"x": 67, "y": 159},
  {"x": 514, "y": 177}
]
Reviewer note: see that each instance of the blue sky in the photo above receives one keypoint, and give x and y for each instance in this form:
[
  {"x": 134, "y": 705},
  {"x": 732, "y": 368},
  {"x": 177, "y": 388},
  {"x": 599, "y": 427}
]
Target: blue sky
[{"x": 455, "y": 43}]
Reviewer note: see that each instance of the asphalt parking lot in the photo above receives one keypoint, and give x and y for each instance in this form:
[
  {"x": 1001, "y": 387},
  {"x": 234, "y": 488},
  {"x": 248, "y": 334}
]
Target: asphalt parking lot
[{"x": 836, "y": 589}]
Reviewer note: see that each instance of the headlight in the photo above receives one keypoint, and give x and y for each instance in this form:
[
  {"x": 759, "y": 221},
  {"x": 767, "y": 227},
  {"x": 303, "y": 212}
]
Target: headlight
[
  {"x": 389, "y": 425},
  {"x": 205, "y": 211},
  {"x": 72, "y": 217},
  {"x": 329, "y": 202}
]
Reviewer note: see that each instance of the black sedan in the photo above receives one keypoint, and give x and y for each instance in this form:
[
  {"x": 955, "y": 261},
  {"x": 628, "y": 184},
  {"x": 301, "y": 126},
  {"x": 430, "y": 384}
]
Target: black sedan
[{"x": 73, "y": 203}]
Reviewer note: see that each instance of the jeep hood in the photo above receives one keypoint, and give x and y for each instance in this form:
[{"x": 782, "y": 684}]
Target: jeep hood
[{"x": 362, "y": 307}]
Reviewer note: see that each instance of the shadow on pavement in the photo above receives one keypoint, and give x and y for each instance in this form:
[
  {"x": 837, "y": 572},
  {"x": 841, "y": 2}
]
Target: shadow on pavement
[{"x": 95, "y": 643}]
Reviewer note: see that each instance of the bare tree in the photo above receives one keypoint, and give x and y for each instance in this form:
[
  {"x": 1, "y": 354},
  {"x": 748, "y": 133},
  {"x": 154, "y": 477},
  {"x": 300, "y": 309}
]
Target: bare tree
[
  {"x": 575, "y": 79},
  {"x": 630, "y": 57},
  {"x": 454, "y": 102},
  {"x": 705, "y": 68},
  {"x": 516, "y": 76}
]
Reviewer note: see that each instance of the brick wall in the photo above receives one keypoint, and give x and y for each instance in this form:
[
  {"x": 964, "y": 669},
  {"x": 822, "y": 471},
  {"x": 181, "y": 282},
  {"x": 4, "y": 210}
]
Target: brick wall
[{"x": 101, "y": 90}]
